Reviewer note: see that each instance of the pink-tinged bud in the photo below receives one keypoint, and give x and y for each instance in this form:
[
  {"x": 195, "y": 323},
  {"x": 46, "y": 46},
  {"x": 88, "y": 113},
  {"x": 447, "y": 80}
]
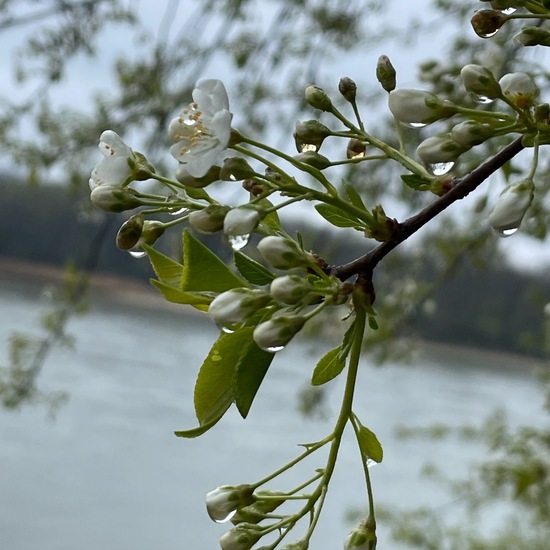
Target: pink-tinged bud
[
  {"x": 520, "y": 89},
  {"x": 223, "y": 502},
  {"x": 480, "y": 81},
  {"x": 283, "y": 253},
  {"x": 275, "y": 334},
  {"x": 209, "y": 219},
  {"x": 511, "y": 206},
  {"x": 419, "y": 107},
  {"x": 241, "y": 221}
]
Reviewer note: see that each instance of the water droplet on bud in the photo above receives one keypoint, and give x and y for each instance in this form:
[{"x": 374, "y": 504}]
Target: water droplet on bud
[
  {"x": 227, "y": 330},
  {"x": 238, "y": 241},
  {"x": 414, "y": 124},
  {"x": 178, "y": 212},
  {"x": 483, "y": 99},
  {"x": 509, "y": 11},
  {"x": 370, "y": 463},
  {"x": 226, "y": 518},
  {"x": 486, "y": 34},
  {"x": 274, "y": 349},
  {"x": 137, "y": 253},
  {"x": 440, "y": 168}
]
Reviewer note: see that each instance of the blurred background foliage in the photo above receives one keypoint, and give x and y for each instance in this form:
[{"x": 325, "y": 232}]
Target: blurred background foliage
[{"x": 452, "y": 285}]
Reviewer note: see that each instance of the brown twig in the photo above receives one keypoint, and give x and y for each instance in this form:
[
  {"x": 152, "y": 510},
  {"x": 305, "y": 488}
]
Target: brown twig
[{"x": 464, "y": 186}]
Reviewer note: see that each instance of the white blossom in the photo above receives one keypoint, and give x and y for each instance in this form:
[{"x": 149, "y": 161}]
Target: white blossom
[
  {"x": 202, "y": 131},
  {"x": 116, "y": 167}
]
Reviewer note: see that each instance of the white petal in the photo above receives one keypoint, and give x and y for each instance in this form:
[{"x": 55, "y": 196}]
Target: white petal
[
  {"x": 111, "y": 144},
  {"x": 211, "y": 96},
  {"x": 198, "y": 165},
  {"x": 220, "y": 126}
]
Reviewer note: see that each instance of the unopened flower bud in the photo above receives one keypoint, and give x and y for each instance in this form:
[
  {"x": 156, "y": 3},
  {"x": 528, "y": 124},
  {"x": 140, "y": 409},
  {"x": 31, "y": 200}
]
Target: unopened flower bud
[
  {"x": 309, "y": 135},
  {"x": 520, "y": 89},
  {"x": 183, "y": 176},
  {"x": 511, "y": 206},
  {"x": 312, "y": 158},
  {"x": 152, "y": 231},
  {"x": 486, "y": 23},
  {"x": 385, "y": 73},
  {"x": 359, "y": 539},
  {"x": 130, "y": 231},
  {"x": 542, "y": 113},
  {"x": 236, "y": 169},
  {"x": 282, "y": 253},
  {"x": 480, "y": 81},
  {"x": 236, "y": 305},
  {"x": 114, "y": 198},
  {"x": 355, "y": 148},
  {"x": 242, "y": 537},
  {"x": 241, "y": 221},
  {"x": 297, "y": 545},
  {"x": 469, "y": 133},
  {"x": 289, "y": 289},
  {"x": 505, "y": 4},
  {"x": 276, "y": 333},
  {"x": 317, "y": 98},
  {"x": 209, "y": 219},
  {"x": 348, "y": 89},
  {"x": 440, "y": 148},
  {"x": 225, "y": 500},
  {"x": 142, "y": 168},
  {"x": 255, "y": 188},
  {"x": 419, "y": 107},
  {"x": 533, "y": 36},
  {"x": 381, "y": 227}
]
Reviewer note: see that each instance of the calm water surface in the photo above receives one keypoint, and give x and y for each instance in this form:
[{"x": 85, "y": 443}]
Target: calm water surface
[{"x": 109, "y": 474}]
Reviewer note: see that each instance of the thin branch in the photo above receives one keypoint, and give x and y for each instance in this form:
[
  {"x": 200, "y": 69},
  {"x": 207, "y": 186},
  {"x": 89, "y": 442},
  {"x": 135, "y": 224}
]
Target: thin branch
[{"x": 463, "y": 187}]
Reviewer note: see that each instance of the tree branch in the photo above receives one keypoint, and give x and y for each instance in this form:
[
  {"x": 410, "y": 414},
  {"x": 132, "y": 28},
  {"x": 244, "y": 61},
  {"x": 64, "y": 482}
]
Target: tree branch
[{"x": 463, "y": 187}]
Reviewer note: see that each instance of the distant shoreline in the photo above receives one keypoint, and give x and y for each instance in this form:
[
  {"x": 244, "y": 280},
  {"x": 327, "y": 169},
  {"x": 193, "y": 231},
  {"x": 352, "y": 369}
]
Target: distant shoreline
[{"x": 120, "y": 291}]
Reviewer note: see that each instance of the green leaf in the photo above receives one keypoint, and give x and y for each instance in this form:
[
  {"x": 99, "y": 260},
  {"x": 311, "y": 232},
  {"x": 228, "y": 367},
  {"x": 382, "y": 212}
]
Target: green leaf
[
  {"x": 416, "y": 182},
  {"x": 214, "y": 388},
  {"x": 168, "y": 270},
  {"x": 203, "y": 270},
  {"x": 251, "y": 370},
  {"x": 338, "y": 217},
  {"x": 328, "y": 367},
  {"x": 199, "y": 430},
  {"x": 271, "y": 223},
  {"x": 368, "y": 443},
  {"x": 252, "y": 271},
  {"x": 177, "y": 296},
  {"x": 354, "y": 196}
]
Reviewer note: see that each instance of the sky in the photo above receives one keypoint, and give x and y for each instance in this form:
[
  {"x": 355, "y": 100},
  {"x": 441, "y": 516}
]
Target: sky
[{"x": 87, "y": 76}]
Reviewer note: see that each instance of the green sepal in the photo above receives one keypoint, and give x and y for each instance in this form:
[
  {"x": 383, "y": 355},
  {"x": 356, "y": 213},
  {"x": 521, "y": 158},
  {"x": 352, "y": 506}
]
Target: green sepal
[
  {"x": 334, "y": 361},
  {"x": 197, "y": 193},
  {"x": 373, "y": 323},
  {"x": 203, "y": 270},
  {"x": 338, "y": 217},
  {"x": 368, "y": 442},
  {"x": 252, "y": 271},
  {"x": 270, "y": 223},
  {"x": 251, "y": 369},
  {"x": 416, "y": 182}
]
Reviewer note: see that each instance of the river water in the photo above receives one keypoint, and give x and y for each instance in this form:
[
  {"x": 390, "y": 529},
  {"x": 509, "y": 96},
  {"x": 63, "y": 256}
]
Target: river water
[{"x": 109, "y": 474}]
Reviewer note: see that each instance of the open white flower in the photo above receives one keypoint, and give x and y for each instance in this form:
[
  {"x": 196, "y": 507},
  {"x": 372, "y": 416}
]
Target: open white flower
[
  {"x": 115, "y": 169},
  {"x": 203, "y": 129}
]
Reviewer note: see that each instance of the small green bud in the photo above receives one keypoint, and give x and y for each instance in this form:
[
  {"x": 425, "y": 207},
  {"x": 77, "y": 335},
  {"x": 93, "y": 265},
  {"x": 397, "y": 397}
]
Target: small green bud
[
  {"x": 276, "y": 333},
  {"x": 355, "y": 148},
  {"x": 312, "y": 158},
  {"x": 348, "y": 89},
  {"x": 440, "y": 148},
  {"x": 480, "y": 81},
  {"x": 533, "y": 36},
  {"x": 242, "y": 537},
  {"x": 542, "y": 113},
  {"x": 317, "y": 98},
  {"x": 152, "y": 231},
  {"x": 283, "y": 253},
  {"x": 236, "y": 305},
  {"x": 469, "y": 133},
  {"x": 114, "y": 198},
  {"x": 241, "y": 221},
  {"x": 385, "y": 73},
  {"x": 486, "y": 23},
  {"x": 381, "y": 228},
  {"x": 225, "y": 500},
  {"x": 209, "y": 219},
  {"x": 236, "y": 169},
  {"x": 309, "y": 135},
  {"x": 419, "y": 107},
  {"x": 289, "y": 289},
  {"x": 511, "y": 206},
  {"x": 130, "y": 231}
]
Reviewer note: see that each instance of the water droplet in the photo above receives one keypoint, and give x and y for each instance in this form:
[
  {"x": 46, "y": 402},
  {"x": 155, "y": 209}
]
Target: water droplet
[
  {"x": 227, "y": 330},
  {"x": 137, "y": 253},
  {"x": 178, "y": 212},
  {"x": 309, "y": 147},
  {"x": 486, "y": 34},
  {"x": 238, "y": 241},
  {"x": 414, "y": 124},
  {"x": 441, "y": 168},
  {"x": 226, "y": 518},
  {"x": 370, "y": 463},
  {"x": 505, "y": 232},
  {"x": 274, "y": 349},
  {"x": 509, "y": 11},
  {"x": 483, "y": 99}
]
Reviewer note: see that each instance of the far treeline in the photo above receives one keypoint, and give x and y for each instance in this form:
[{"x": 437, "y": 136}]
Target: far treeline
[{"x": 494, "y": 308}]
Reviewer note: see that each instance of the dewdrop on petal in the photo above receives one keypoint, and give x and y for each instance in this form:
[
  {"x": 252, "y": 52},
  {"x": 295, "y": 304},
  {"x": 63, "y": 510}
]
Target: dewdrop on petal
[{"x": 511, "y": 206}]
